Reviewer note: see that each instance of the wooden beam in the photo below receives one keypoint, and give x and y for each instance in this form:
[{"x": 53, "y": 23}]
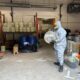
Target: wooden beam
[{"x": 11, "y": 11}]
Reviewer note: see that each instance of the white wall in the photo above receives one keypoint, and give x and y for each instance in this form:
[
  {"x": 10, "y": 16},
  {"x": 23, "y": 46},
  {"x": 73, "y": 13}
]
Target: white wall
[{"x": 71, "y": 21}]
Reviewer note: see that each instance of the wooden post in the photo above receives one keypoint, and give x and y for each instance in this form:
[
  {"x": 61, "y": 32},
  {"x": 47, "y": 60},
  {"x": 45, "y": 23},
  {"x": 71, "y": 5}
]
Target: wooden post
[
  {"x": 36, "y": 22},
  {"x": 79, "y": 54},
  {"x": 0, "y": 22},
  {"x": 1, "y": 31},
  {"x": 12, "y": 11},
  {"x": 60, "y": 14},
  {"x": 3, "y": 18}
]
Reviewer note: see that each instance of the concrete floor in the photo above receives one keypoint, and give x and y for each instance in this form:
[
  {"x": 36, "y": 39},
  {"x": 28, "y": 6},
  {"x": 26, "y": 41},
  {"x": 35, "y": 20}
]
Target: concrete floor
[{"x": 33, "y": 66}]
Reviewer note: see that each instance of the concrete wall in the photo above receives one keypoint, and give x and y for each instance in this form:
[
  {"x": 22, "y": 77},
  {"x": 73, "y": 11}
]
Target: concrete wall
[
  {"x": 29, "y": 13},
  {"x": 7, "y": 12},
  {"x": 71, "y": 21}
]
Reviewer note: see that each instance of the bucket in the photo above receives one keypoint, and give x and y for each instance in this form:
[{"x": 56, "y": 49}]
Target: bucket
[
  {"x": 77, "y": 38},
  {"x": 3, "y": 49},
  {"x": 32, "y": 29},
  {"x": 28, "y": 29},
  {"x": 16, "y": 27},
  {"x": 24, "y": 29},
  {"x": 69, "y": 37}
]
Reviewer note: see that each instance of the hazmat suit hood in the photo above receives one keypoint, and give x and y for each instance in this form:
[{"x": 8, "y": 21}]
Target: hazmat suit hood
[{"x": 58, "y": 24}]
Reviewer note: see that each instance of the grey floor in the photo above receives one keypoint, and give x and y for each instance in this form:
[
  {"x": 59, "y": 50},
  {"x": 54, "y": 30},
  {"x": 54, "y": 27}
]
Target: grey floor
[{"x": 34, "y": 66}]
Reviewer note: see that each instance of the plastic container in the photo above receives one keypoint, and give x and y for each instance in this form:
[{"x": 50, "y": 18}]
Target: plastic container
[
  {"x": 3, "y": 48},
  {"x": 32, "y": 29},
  {"x": 16, "y": 26},
  {"x": 28, "y": 29},
  {"x": 33, "y": 40},
  {"x": 71, "y": 64},
  {"x": 24, "y": 42},
  {"x": 77, "y": 38}
]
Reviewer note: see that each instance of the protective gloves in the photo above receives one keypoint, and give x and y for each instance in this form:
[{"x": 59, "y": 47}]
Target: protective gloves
[{"x": 52, "y": 42}]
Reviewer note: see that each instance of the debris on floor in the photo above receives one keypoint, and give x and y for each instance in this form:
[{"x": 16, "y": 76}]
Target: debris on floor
[
  {"x": 1, "y": 55},
  {"x": 68, "y": 76}
]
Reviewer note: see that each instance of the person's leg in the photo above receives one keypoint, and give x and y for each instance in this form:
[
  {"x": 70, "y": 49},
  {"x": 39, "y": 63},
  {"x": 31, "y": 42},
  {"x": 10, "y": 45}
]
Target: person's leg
[
  {"x": 57, "y": 59},
  {"x": 61, "y": 57},
  {"x": 61, "y": 60}
]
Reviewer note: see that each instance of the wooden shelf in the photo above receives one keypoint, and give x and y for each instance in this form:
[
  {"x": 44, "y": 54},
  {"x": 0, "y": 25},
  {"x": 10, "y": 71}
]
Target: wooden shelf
[{"x": 19, "y": 32}]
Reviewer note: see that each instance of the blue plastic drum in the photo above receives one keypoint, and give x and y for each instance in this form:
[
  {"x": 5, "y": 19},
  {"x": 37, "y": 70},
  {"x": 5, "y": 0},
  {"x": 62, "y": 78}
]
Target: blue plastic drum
[
  {"x": 28, "y": 42},
  {"x": 23, "y": 41},
  {"x": 33, "y": 40}
]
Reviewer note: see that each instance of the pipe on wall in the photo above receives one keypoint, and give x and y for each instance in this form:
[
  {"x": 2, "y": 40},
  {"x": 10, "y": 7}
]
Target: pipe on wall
[
  {"x": 26, "y": 5},
  {"x": 2, "y": 4},
  {"x": 11, "y": 11}
]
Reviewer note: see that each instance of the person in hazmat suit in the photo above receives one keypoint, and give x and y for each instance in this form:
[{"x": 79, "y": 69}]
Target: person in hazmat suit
[{"x": 59, "y": 44}]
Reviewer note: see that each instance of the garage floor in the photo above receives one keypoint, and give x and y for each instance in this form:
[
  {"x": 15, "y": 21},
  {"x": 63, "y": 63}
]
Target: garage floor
[{"x": 33, "y": 66}]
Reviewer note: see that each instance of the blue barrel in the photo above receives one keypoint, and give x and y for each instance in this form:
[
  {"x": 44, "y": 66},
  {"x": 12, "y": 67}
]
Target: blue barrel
[
  {"x": 23, "y": 41},
  {"x": 28, "y": 43},
  {"x": 33, "y": 40}
]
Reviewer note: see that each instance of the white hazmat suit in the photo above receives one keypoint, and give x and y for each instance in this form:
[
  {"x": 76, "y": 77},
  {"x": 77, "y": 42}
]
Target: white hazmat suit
[{"x": 60, "y": 43}]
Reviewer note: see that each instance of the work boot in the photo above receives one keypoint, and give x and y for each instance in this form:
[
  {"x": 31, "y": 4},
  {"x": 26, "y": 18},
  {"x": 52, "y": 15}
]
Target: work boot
[
  {"x": 61, "y": 68},
  {"x": 57, "y": 63}
]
